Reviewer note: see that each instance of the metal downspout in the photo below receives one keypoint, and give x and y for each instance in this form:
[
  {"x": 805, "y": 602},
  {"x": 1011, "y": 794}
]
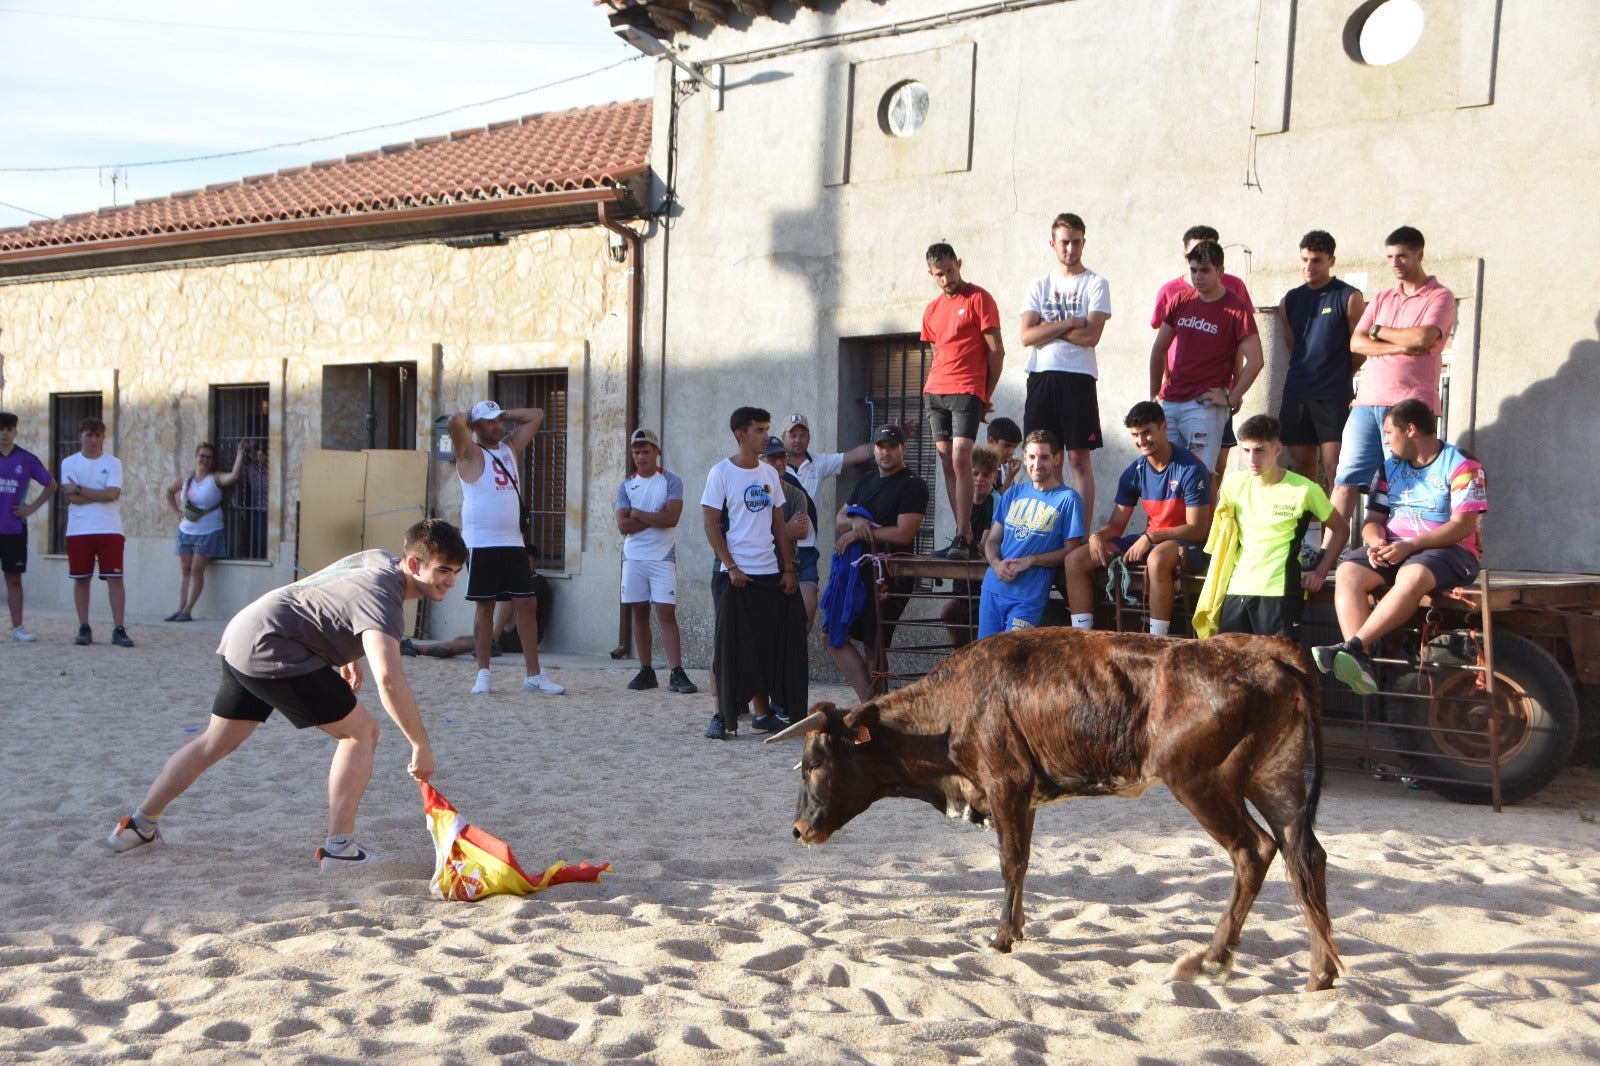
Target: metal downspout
[{"x": 633, "y": 242}]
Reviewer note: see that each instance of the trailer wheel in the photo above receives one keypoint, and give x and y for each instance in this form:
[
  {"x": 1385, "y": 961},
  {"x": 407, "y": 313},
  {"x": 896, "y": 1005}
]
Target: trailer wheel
[{"x": 1538, "y": 725}]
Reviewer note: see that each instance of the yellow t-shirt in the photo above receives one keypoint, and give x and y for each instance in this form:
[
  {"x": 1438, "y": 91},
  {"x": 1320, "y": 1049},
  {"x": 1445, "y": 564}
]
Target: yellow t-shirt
[{"x": 1272, "y": 523}]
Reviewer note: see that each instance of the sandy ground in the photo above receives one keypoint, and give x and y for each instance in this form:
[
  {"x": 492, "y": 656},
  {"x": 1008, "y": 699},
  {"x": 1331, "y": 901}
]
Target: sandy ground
[{"x": 1470, "y": 937}]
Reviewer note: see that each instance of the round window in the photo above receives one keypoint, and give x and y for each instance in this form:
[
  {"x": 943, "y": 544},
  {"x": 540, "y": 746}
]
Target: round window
[
  {"x": 1382, "y": 32},
  {"x": 904, "y": 109}
]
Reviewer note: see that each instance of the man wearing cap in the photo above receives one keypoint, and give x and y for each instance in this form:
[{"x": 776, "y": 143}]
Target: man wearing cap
[
  {"x": 649, "y": 505},
  {"x": 491, "y": 504},
  {"x": 896, "y": 499},
  {"x": 810, "y": 471}
]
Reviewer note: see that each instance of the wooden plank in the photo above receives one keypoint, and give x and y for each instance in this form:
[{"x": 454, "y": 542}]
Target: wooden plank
[
  {"x": 332, "y": 506},
  {"x": 396, "y": 491}
]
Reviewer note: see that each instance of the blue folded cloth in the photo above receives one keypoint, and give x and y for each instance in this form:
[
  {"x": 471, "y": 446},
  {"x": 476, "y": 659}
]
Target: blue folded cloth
[{"x": 846, "y": 594}]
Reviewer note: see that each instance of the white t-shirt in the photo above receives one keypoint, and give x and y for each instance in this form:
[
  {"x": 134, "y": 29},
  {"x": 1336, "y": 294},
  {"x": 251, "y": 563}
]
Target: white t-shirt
[
  {"x": 102, "y": 473},
  {"x": 489, "y": 505},
  {"x": 650, "y": 494},
  {"x": 204, "y": 493},
  {"x": 810, "y": 474},
  {"x": 748, "y": 495},
  {"x": 1056, "y": 297}
]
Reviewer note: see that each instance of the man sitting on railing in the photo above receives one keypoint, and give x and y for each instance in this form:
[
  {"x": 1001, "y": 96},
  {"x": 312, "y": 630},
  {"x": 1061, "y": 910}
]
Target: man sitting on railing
[{"x": 1421, "y": 535}]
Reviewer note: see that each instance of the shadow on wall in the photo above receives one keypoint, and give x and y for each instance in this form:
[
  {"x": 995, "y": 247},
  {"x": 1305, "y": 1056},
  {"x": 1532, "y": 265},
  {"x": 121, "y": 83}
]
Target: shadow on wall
[{"x": 1540, "y": 454}]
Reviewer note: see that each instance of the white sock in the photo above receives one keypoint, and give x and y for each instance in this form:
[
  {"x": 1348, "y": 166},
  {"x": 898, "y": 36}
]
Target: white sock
[
  {"x": 484, "y": 672},
  {"x": 1159, "y": 627},
  {"x": 1083, "y": 621},
  {"x": 143, "y": 820},
  {"x": 343, "y": 844}
]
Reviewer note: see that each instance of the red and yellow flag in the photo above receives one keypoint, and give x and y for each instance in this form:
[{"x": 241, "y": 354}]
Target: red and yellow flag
[{"x": 470, "y": 864}]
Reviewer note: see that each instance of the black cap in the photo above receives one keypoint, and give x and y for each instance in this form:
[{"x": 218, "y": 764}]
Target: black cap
[
  {"x": 774, "y": 447},
  {"x": 889, "y": 435}
]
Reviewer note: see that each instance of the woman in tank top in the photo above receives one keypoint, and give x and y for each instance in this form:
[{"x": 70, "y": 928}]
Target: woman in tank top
[{"x": 197, "y": 500}]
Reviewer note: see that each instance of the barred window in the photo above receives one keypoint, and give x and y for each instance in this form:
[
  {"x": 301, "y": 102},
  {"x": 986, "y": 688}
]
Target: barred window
[
  {"x": 897, "y": 368},
  {"x": 543, "y": 465},
  {"x": 240, "y": 412},
  {"x": 67, "y": 409}
]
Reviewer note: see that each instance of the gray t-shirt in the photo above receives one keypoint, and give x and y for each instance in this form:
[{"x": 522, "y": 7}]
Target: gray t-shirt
[{"x": 318, "y": 621}]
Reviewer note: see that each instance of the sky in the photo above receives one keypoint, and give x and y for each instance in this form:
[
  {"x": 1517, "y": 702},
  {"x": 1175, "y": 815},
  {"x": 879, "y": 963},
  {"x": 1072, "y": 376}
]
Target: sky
[{"x": 106, "y": 87}]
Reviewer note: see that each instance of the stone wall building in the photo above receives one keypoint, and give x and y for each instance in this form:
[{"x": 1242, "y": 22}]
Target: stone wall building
[
  {"x": 334, "y": 308},
  {"x": 839, "y": 138}
]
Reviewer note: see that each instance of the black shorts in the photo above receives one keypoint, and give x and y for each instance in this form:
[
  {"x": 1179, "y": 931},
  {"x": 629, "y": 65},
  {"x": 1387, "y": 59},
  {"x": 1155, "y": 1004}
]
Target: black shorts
[
  {"x": 1267, "y": 616},
  {"x": 1228, "y": 439},
  {"x": 953, "y": 414},
  {"x": 14, "y": 553},
  {"x": 499, "y": 574},
  {"x": 1451, "y": 567},
  {"x": 1309, "y": 422},
  {"x": 321, "y": 697},
  {"x": 1066, "y": 404}
]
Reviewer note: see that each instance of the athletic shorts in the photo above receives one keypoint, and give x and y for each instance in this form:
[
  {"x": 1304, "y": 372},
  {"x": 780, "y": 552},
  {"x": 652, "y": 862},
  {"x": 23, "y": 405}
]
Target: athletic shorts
[
  {"x": 321, "y": 697},
  {"x": 84, "y": 549},
  {"x": 499, "y": 574},
  {"x": 1309, "y": 422},
  {"x": 806, "y": 560},
  {"x": 1066, "y": 404},
  {"x": 1000, "y": 613},
  {"x": 953, "y": 414},
  {"x": 213, "y": 545},
  {"x": 1267, "y": 616},
  {"x": 1451, "y": 567},
  {"x": 1228, "y": 439},
  {"x": 649, "y": 581},
  {"x": 1194, "y": 555},
  {"x": 14, "y": 553},
  {"x": 1362, "y": 450}
]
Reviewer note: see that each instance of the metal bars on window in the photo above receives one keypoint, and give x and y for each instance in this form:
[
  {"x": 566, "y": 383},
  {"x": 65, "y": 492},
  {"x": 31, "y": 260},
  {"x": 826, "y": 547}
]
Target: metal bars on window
[
  {"x": 897, "y": 368},
  {"x": 67, "y": 409},
  {"x": 240, "y": 412},
  {"x": 543, "y": 464}
]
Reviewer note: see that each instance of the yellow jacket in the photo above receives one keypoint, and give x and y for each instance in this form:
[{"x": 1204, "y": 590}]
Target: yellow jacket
[{"x": 1223, "y": 547}]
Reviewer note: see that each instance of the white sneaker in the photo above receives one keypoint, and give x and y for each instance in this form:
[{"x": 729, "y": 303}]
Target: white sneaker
[
  {"x": 21, "y": 635},
  {"x": 480, "y": 686},
  {"x": 126, "y": 836},
  {"x": 360, "y": 855},
  {"x": 541, "y": 682}
]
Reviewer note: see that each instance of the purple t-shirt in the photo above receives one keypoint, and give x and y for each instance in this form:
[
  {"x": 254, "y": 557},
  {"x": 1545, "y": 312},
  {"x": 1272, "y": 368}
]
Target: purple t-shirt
[{"x": 16, "y": 470}]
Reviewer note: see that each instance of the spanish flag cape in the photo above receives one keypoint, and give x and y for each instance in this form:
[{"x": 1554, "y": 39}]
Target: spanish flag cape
[{"x": 470, "y": 864}]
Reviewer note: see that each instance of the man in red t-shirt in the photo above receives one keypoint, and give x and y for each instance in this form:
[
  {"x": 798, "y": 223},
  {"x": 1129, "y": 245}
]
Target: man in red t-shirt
[
  {"x": 1206, "y": 377},
  {"x": 963, "y": 324}
]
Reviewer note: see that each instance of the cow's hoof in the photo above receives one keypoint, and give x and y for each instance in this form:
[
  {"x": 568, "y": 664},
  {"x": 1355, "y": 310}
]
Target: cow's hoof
[
  {"x": 1197, "y": 965},
  {"x": 1003, "y": 946}
]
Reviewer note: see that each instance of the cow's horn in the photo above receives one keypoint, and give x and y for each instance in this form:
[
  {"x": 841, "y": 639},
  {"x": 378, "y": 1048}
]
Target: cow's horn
[{"x": 810, "y": 723}]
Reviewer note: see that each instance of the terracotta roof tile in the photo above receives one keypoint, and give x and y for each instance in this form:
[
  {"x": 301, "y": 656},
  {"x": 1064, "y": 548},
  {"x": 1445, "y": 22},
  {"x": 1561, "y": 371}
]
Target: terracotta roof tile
[{"x": 584, "y": 148}]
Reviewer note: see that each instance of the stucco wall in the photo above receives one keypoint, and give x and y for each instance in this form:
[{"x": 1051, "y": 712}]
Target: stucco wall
[
  {"x": 154, "y": 341},
  {"x": 1138, "y": 115}
]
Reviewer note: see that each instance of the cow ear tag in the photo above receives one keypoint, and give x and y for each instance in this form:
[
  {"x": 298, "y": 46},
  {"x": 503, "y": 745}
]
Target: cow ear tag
[{"x": 860, "y": 736}]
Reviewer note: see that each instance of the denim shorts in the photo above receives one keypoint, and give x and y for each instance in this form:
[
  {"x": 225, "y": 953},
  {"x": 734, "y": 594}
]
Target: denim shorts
[
  {"x": 1362, "y": 451},
  {"x": 213, "y": 545},
  {"x": 807, "y": 559},
  {"x": 1198, "y": 427}
]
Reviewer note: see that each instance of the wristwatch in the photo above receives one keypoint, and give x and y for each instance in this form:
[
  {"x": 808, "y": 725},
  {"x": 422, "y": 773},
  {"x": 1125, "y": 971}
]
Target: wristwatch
[{"x": 1373, "y": 332}]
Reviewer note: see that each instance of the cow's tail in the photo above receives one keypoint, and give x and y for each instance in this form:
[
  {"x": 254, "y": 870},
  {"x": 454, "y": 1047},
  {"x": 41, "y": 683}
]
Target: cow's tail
[{"x": 1302, "y": 854}]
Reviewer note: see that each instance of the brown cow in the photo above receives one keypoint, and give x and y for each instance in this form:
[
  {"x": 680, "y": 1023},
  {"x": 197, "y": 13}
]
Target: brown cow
[{"x": 1022, "y": 719}]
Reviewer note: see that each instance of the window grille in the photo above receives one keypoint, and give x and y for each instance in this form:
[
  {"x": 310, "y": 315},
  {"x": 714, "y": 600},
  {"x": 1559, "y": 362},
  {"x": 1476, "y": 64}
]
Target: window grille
[
  {"x": 897, "y": 368},
  {"x": 240, "y": 412},
  {"x": 543, "y": 464},
  {"x": 67, "y": 409}
]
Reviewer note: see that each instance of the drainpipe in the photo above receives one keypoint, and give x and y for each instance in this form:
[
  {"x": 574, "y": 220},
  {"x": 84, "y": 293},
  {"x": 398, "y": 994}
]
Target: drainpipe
[{"x": 633, "y": 243}]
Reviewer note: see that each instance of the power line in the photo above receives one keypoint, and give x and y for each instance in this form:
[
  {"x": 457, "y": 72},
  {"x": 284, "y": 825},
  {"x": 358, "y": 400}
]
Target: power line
[
  {"x": 299, "y": 33},
  {"x": 24, "y": 210},
  {"x": 319, "y": 140}
]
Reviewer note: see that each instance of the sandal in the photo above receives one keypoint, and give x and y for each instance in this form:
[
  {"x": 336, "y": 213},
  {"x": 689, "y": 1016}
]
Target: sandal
[
  {"x": 175, "y": 616},
  {"x": 183, "y": 617}
]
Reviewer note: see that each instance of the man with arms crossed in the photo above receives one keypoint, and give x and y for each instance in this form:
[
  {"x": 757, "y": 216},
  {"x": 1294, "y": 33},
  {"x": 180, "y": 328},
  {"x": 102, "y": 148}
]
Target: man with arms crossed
[
  {"x": 1318, "y": 320},
  {"x": 491, "y": 502},
  {"x": 1062, "y": 319},
  {"x": 1173, "y": 487},
  {"x": 1401, "y": 336},
  {"x": 297, "y": 650},
  {"x": 18, "y": 466},
  {"x": 963, "y": 324},
  {"x": 649, "y": 505},
  {"x": 1037, "y": 524},
  {"x": 1202, "y": 380},
  {"x": 1421, "y": 534},
  {"x": 896, "y": 500},
  {"x": 91, "y": 481}
]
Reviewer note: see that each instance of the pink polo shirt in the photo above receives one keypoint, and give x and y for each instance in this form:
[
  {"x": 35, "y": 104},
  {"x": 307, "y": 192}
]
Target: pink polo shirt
[{"x": 1387, "y": 380}]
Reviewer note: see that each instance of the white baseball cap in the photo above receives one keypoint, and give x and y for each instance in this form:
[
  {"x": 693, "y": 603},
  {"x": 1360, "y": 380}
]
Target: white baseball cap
[{"x": 484, "y": 411}]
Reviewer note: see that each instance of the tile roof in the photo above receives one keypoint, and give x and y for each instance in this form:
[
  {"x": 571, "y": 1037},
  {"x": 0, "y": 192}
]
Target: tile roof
[{"x": 559, "y": 151}]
